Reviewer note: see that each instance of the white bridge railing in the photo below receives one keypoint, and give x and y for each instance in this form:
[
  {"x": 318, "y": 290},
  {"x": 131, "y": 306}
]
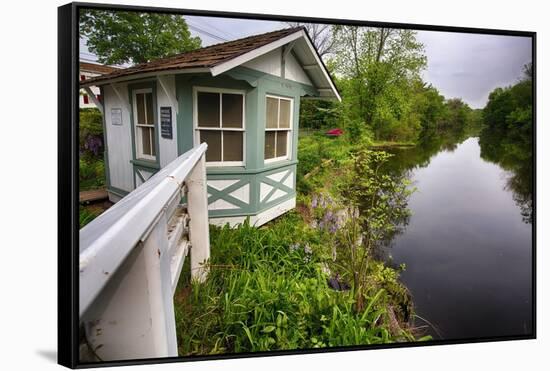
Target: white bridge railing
[{"x": 131, "y": 257}]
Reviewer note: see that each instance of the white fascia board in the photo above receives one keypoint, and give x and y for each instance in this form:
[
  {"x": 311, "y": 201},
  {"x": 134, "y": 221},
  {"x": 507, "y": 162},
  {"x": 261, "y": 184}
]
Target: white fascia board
[
  {"x": 223, "y": 67},
  {"x": 322, "y": 68},
  {"x": 226, "y": 66},
  {"x": 145, "y": 75}
]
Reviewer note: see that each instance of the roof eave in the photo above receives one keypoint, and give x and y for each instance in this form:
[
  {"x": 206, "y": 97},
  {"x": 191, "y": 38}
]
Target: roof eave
[
  {"x": 143, "y": 75},
  {"x": 216, "y": 70}
]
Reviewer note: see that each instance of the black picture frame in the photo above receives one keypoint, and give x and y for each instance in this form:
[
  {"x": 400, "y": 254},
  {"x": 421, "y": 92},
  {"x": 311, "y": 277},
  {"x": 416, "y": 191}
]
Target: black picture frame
[{"x": 68, "y": 224}]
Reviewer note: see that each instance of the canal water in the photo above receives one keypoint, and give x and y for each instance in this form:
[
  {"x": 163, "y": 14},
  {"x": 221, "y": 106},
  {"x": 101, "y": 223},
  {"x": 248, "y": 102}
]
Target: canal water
[{"x": 468, "y": 244}]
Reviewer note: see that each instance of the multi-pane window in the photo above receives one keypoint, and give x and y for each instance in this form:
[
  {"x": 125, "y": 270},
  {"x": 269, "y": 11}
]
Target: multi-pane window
[
  {"x": 220, "y": 123},
  {"x": 144, "y": 121},
  {"x": 278, "y": 126}
]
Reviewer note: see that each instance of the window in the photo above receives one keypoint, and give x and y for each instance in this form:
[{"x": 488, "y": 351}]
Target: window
[
  {"x": 278, "y": 126},
  {"x": 144, "y": 121},
  {"x": 219, "y": 121}
]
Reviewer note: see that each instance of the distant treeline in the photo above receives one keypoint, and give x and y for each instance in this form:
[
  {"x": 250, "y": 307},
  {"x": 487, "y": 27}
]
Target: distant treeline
[
  {"x": 510, "y": 109},
  {"x": 378, "y": 73},
  {"x": 507, "y": 137}
]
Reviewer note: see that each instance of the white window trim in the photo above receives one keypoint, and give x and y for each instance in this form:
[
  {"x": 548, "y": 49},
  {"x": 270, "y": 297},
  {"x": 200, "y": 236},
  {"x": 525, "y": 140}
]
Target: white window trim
[
  {"x": 289, "y": 130},
  {"x": 196, "y": 128},
  {"x": 138, "y": 146}
]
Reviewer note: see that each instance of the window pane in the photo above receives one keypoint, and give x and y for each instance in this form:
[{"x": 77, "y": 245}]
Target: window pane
[
  {"x": 284, "y": 114},
  {"x": 145, "y": 140},
  {"x": 272, "y": 106},
  {"x": 232, "y": 110},
  {"x": 281, "y": 143},
  {"x": 269, "y": 151},
  {"x": 152, "y": 135},
  {"x": 140, "y": 108},
  {"x": 232, "y": 145},
  {"x": 214, "y": 141},
  {"x": 150, "y": 112},
  {"x": 208, "y": 106}
]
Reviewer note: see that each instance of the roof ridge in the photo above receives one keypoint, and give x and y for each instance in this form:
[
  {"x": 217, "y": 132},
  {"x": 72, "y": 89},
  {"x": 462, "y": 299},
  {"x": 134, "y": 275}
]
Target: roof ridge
[
  {"x": 208, "y": 56},
  {"x": 167, "y": 58}
]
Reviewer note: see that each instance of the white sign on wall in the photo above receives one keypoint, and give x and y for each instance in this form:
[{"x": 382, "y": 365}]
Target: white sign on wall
[{"x": 116, "y": 116}]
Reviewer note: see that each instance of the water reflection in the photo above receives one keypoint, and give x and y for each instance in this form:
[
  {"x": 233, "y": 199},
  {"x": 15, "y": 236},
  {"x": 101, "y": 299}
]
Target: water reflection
[
  {"x": 514, "y": 154},
  {"x": 467, "y": 246}
]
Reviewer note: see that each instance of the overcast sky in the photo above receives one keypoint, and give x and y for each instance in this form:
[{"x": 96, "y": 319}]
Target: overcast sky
[{"x": 467, "y": 66}]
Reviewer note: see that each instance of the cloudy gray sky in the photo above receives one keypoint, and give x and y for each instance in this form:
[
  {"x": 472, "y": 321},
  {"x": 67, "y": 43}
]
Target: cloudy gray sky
[{"x": 467, "y": 66}]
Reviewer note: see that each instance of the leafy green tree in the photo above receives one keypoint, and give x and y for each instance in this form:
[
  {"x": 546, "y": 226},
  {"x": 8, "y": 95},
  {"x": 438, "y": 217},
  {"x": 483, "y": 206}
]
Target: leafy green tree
[
  {"x": 511, "y": 106},
  {"x": 378, "y": 68},
  {"x": 431, "y": 109},
  {"x": 318, "y": 114},
  {"x": 118, "y": 37}
]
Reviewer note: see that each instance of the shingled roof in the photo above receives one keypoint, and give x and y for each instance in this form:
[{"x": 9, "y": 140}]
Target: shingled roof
[
  {"x": 97, "y": 68},
  {"x": 207, "y": 57}
]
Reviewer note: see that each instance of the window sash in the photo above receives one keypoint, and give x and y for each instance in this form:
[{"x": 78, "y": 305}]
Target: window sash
[
  {"x": 220, "y": 93},
  {"x": 278, "y": 129},
  {"x": 146, "y": 128},
  {"x": 140, "y": 139},
  {"x": 220, "y": 128},
  {"x": 222, "y": 162}
]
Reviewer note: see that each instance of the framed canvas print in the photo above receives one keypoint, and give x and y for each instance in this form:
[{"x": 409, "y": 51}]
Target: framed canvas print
[{"x": 236, "y": 185}]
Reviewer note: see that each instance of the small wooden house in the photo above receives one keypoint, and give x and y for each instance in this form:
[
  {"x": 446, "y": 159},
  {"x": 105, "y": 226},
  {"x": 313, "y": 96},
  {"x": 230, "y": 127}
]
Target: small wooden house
[{"x": 240, "y": 97}]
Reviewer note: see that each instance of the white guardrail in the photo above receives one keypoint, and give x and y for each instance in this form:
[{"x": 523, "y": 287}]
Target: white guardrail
[{"x": 131, "y": 258}]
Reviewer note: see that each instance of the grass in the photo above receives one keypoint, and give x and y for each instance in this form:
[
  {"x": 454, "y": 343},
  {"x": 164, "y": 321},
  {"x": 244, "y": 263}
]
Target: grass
[
  {"x": 389, "y": 144},
  {"x": 267, "y": 290},
  {"x": 91, "y": 173},
  {"x": 268, "y": 287},
  {"x": 88, "y": 213}
]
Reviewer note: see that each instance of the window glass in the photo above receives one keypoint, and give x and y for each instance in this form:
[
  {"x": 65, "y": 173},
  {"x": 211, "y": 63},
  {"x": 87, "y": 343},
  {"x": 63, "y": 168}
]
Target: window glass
[
  {"x": 269, "y": 144},
  {"x": 272, "y": 108},
  {"x": 232, "y": 110},
  {"x": 145, "y": 140},
  {"x": 278, "y": 122},
  {"x": 208, "y": 107},
  {"x": 225, "y": 134},
  {"x": 214, "y": 140},
  {"x": 140, "y": 108},
  {"x": 149, "y": 105},
  {"x": 281, "y": 143},
  {"x": 284, "y": 114},
  {"x": 232, "y": 146}
]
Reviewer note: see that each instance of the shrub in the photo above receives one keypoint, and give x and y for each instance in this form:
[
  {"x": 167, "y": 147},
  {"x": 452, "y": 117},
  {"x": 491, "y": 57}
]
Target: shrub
[
  {"x": 90, "y": 132},
  {"x": 267, "y": 290},
  {"x": 91, "y": 173}
]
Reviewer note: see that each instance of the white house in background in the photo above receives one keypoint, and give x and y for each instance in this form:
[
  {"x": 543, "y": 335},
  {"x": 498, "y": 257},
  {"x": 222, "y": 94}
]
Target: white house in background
[{"x": 89, "y": 70}]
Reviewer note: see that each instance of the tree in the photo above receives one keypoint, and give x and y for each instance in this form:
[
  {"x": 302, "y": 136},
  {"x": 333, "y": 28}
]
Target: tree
[
  {"x": 507, "y": 138},
  {"x": 430, "y": 106},
  {"x": 118, "y": 37},
  {"x": 377, "y": 69},
  {"x": 320, "y": 36}
]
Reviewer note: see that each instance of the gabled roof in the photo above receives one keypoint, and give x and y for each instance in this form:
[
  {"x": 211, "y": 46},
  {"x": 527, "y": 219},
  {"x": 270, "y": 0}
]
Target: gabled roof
[
  {"x": 97, "y": 68},
  {"x": 219, "y": 58}
]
